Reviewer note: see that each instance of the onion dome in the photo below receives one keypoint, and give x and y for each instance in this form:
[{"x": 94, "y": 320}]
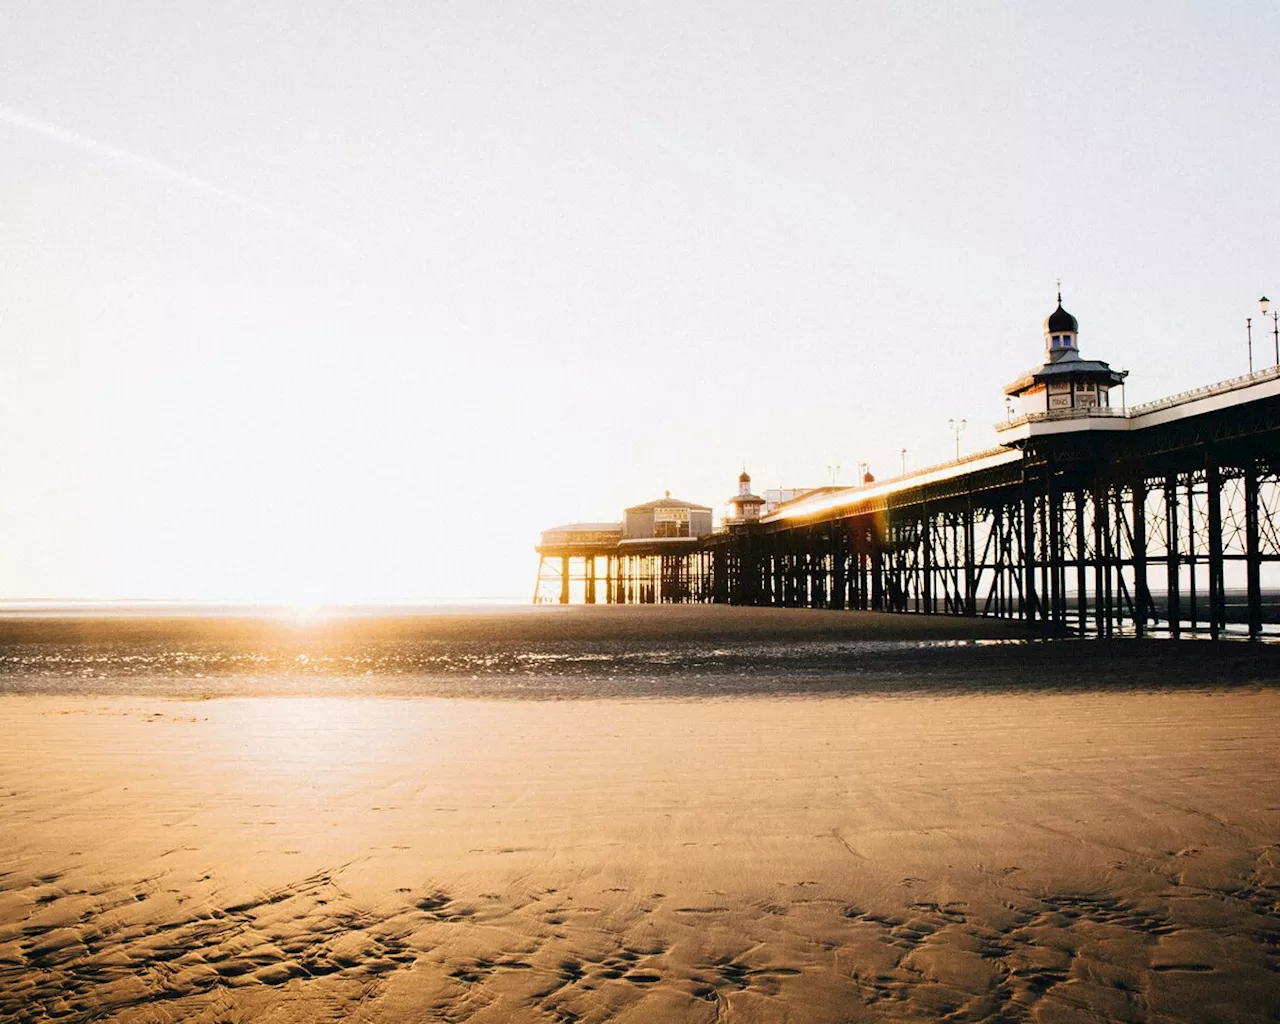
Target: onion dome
[
  {"x": 1060, "y": 322},
  {"x": 745, "y": 478}
]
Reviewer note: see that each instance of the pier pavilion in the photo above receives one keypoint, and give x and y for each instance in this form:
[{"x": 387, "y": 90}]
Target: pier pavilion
[{"x": 1087, "y": 518}]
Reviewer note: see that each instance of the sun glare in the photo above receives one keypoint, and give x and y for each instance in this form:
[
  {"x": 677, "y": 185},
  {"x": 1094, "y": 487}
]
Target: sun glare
[{"x": 305, "y": 614}]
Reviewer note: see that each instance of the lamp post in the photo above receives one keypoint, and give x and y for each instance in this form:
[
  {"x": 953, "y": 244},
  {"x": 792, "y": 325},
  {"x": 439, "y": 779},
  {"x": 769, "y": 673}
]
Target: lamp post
[
  {"x": 1264, "y": 304},
  {"x": 1248, "y": 333},
  {"x": 957, "y": 428}
]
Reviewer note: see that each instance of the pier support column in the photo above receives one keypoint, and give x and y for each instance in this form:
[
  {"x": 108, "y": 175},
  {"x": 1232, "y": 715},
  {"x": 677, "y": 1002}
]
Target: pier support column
[
  {"x": 926, "y": 557},
  {"x": 1173, "y": 562},
  {"x": 839, "y": 546},
  {"x": 1192, "y": 614},
  {"x": 1053, "y": 512},
  {"x": 1253, "y": 556},
  {"x": 1217, "y": 599},
  {"x": 1141, "y": 595},
  {"x": 1082, "y": 573},
  {"x": 877, "y": 536},
  {"x": 970, "y": 579},
  {"x": 564, "y": 579},
  {"x": 1099, "y": 559},
  {"x": 1028, "y": 553}
]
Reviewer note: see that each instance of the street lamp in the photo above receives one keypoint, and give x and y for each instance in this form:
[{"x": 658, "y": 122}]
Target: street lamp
[
  {"x": 1248, "y": 333},
  {"x": 957, "y": 428},
  {"x": 1264, "y": 304}
]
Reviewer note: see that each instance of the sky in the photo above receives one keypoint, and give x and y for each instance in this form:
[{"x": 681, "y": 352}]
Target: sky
[{"x": 325, "y": 302}]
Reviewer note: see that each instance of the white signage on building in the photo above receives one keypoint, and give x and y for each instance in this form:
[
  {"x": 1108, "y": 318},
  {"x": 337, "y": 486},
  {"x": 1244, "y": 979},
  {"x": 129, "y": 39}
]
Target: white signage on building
[{"x": 671, "y": 515}]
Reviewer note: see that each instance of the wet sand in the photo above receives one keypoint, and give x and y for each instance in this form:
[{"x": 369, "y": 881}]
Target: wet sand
[{"x": 909, "y": 835}]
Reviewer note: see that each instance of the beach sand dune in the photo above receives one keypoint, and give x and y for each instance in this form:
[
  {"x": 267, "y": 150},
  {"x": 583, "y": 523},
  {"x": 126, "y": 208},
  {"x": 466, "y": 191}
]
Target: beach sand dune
[{"x": 1052, "y": 855}]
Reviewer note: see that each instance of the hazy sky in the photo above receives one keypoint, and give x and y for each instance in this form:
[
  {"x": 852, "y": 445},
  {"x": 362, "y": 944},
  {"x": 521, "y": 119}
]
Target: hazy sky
[{"x": 337, "y": 301}]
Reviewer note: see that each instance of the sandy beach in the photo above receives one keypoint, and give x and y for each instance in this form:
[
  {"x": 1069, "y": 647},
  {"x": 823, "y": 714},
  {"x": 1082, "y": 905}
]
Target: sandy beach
[{"x": 908, "y": 835}]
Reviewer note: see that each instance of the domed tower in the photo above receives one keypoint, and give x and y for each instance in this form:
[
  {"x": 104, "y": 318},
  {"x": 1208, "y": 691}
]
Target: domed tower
[
  {"x": 744, "y": 506},
  {"x": 1065, "y": 385},
  {"x": 1061, "y": 333}
]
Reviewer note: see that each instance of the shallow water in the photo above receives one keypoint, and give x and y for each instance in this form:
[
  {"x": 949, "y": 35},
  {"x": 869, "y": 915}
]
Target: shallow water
[{"x": 593, "y": 653}]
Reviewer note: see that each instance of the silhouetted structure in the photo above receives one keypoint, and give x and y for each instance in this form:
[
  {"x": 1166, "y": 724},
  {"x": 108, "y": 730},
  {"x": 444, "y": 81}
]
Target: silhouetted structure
[
  {"x": 1087, "y": 518},
  {"x": 1065, "y": 381},
  {"x": 744, "y": 507}
]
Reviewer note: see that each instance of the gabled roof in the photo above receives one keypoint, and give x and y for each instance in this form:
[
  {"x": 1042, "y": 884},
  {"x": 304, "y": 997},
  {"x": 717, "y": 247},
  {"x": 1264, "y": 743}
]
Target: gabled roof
[{"x": 668, "y": 503}]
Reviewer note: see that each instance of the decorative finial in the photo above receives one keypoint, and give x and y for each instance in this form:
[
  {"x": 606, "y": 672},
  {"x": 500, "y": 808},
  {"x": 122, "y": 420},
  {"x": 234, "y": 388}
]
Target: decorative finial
[{"x": 1059, "y": 291}]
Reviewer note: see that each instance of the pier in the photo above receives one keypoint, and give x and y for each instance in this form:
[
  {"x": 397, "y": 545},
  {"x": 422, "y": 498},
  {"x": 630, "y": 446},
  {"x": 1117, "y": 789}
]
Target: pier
[{"x": 1087, "y": 518}]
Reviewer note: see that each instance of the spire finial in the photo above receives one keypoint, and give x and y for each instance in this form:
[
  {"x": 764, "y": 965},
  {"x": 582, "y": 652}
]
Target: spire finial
[{"x": 1059, "y": 291}]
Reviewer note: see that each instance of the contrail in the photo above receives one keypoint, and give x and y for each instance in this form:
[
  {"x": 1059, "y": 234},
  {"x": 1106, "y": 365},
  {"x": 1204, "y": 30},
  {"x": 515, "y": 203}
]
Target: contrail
[{"x": 67, "y": 137}]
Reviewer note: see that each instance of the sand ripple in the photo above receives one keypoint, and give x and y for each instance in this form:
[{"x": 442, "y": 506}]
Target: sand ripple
[{"x": 88, "y": 953}]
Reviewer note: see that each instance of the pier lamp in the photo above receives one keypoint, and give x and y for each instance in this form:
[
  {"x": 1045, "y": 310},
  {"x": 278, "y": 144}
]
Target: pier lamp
[
  {"x": 1264, "y": 304},
  {"x": 957, "y": 428}
]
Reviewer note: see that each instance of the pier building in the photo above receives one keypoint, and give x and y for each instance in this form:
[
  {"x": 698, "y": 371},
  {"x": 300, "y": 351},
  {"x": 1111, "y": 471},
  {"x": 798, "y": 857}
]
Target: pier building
[
  {"x": 1065, "y": 381},
  {"x": 667, "y": 518},
  {"x": 744, "y": 507},
  {"x": 647, "y": 557},
  {"x": 1086, "y": 517}
]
